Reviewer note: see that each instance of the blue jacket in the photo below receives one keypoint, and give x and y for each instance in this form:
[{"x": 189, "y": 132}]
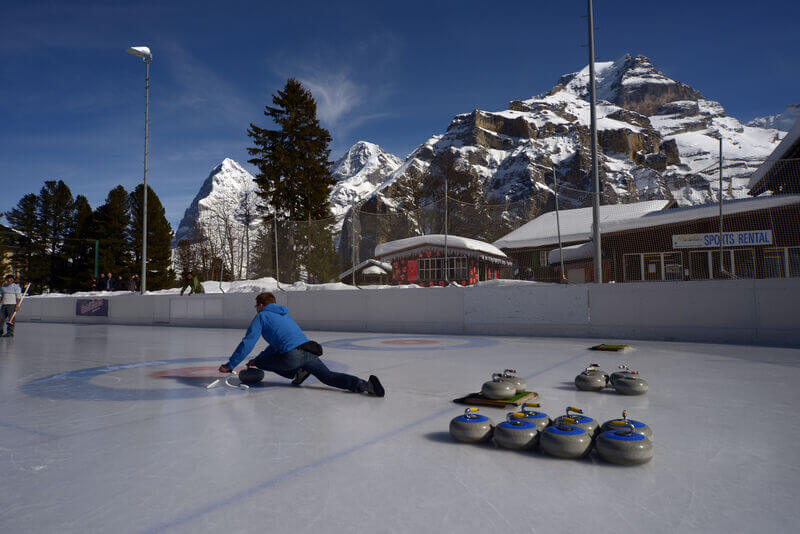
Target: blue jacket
[{"x": 277, "y": 327}]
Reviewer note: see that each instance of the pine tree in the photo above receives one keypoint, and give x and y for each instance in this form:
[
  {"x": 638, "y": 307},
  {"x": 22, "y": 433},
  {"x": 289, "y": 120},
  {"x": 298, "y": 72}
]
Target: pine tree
[
  {"x": 294, "y": 175},
  {"x": 29, "y": 254},
  {"x": 112, "y": 226},
  {"x": 79, "y": 246},
  {"x": 55, "y": 220},
  {"x": 159, "y": 237}
]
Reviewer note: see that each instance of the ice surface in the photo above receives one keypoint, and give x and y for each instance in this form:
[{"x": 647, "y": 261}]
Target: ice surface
[{"x": 105, "y": 429}]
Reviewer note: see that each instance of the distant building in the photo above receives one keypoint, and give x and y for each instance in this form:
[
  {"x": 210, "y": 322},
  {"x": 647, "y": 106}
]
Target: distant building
[
  {"x": 780, "y": 173},
  {"x": 530, "y": 246},
  {"x": 761, "y": 239},
  {"x": 369, "y": 272},
  {"x": 421, "y": 260}
]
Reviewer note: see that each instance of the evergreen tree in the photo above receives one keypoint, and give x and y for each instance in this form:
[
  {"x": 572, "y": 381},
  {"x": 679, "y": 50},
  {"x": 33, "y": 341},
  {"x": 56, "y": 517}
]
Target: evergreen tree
[
  {"x": 29, "y": 254},
  {"x": 79, "y": 247},
  {"x": 294, "y": 175},
  {"x": 112, "y": 226},
  {"x": 55, "y": 220},
  {"x": 159, "y": 236}
]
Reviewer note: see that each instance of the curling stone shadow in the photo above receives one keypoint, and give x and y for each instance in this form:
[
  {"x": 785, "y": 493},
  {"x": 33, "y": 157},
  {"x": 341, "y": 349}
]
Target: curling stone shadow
[{"x": 445, "y": 437}]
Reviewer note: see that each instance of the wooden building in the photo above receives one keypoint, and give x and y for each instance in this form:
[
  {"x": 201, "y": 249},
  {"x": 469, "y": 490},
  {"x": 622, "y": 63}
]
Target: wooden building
[
  {"x": 423, "y": 259},
  {"x": 529, "y": 246},
  {"x": 760, "y": 239},
  {"x": 369, "y": 272}
]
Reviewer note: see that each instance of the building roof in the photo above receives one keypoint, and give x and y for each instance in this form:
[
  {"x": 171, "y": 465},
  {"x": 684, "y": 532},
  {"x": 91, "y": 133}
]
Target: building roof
[
  {"x": 582, "y": 251},
  {"x": 374, "y": 269},
  {"x": 399, "y": 247},
  {"x": 763, "y": 179},
  {"x": 576, "y": 224},
  {"x": 367, "y": 264},
  {"x": 704, "y": 211}
]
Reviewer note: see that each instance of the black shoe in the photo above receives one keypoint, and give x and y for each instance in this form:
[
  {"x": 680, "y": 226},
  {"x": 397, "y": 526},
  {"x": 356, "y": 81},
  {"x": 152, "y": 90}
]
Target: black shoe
[
  {"x": 300, "y": 377},
  {"x": 374, "y": 386}
]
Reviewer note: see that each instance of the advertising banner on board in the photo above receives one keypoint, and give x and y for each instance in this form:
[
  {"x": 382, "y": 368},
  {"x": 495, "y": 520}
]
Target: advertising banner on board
[
  {"x": 91, "y": 307},
  {"x": 729, "y": 239}
]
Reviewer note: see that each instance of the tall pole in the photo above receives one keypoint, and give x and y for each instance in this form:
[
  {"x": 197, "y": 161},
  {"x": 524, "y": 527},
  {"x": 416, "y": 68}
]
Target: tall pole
[
  {"x": 147, "y": 60},
  {"x": 598, "y": 261},
  {"x": 558, "y": 227},
  {"x": 96, "y": 256},
  {"x": 722, "y": 270},
  {"x": 446, "y": 266},
  {"x": 277, "y": 268}
]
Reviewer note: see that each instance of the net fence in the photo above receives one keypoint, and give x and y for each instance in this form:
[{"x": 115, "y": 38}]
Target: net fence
[{"x": 681, "y": 234}]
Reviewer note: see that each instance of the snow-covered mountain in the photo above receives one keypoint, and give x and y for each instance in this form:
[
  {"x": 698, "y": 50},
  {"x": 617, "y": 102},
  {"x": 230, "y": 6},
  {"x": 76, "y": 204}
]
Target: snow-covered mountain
[
  {"x": 228, "y": 193},
  {"x": 657, "y": 139},
  {"x": 359, "y": 172},
  {"x": 229, "y": 189},
  {"x": 782, "y": 121}
]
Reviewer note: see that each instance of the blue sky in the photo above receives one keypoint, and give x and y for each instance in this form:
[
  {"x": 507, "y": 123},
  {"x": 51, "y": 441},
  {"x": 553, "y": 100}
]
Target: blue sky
[{"x": 72, "y": 102}]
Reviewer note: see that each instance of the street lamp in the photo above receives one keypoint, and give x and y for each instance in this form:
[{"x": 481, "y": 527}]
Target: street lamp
[{"x": 143, "y": 52}]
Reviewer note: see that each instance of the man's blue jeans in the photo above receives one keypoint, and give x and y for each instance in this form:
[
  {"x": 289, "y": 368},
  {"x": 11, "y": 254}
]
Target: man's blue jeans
[{"x": 288, "y": 363}]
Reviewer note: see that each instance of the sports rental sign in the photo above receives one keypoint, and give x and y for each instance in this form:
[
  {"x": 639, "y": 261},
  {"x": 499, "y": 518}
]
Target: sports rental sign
[{"x": 729, "y": 239}]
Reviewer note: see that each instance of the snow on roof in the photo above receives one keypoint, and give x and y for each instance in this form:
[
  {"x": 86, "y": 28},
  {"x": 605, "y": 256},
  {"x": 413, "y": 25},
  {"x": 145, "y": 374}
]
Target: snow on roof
[
  {"x": 583, "y": 251},
  {"x": 385, "y": 267},
  {"x": 704, "y": 211},
  {"x": 373, "y": 269},
  {"x": 780, "y": 151},
  {"x": 576, "y": 224},
  {"x": 391, "y": 248}
]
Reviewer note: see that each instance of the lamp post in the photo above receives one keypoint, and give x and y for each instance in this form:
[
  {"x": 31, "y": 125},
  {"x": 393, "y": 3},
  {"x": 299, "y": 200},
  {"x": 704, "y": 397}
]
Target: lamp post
[{"x": 143, "y": 52}]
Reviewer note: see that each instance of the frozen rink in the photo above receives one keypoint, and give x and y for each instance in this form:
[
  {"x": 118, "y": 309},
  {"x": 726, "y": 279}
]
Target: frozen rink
[{"x": 111, "y": 429}]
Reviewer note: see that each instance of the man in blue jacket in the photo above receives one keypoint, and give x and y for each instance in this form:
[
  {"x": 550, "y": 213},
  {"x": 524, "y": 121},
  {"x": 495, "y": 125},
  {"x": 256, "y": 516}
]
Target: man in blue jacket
[{"x": 289, "y": 352}]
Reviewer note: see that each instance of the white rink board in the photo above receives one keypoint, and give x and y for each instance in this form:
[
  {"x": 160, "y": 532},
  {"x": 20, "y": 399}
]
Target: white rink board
[
  {"x": 109, "y": 428},
  {"x": 729, "y": 311}
]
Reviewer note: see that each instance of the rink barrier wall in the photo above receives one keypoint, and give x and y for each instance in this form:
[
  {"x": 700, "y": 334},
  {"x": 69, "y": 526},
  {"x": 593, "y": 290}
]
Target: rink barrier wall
[{"x": 764, "y": 312}]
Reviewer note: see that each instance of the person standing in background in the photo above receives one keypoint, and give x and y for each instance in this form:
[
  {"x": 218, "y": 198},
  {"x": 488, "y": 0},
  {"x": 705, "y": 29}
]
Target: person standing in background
[
  {"x": 101, "y": 282},
  {"x": 11, "y": 297},
  {"x": 110, "y": 282}
]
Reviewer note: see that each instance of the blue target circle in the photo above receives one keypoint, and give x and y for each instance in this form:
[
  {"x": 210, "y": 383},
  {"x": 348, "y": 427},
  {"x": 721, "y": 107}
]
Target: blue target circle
[
  {"x": 77, "y": 385},
  {"x": 352, "y": 343}
]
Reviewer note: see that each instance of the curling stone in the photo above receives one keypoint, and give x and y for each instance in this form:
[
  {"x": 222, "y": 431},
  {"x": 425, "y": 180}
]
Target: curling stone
[
  {"x": 516, "y": 433},
  {"x": 519, "y": 383},
  {"x": 624, "y": 446},
  {"x": 591, "y": 379},
  {"x": 581, "y": 421},
  {"x": 251, "y": 375},
  {"x": 631, "y": 384},
  {"x": 540, "y": 419},
  {"x": 565, "y": 440},
  {"x": 621, "y": 424},
  {"x": 498, "y": 389},
  {"x": 471, "y": 427},
  {"x": 623, "y": 369}
]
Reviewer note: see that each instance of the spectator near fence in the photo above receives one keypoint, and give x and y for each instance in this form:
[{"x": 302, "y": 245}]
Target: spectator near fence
[
  {"x": 133, "y": 283},
  {"x": 110, "y": 284},
  {"x": 193, "y": 283},
  {"x": 101, "y": 283}
]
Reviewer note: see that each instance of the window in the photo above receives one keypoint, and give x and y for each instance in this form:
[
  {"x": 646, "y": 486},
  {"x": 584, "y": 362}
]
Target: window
[
  {"x": 543, "y": 258},
  {"x": 782, "y": 262},
  {"x": 705, "y": 264},
  {"x": 433, "y": 269},
  {"x": 656, "y": 266},
  {"x": 633, "y": 267}
]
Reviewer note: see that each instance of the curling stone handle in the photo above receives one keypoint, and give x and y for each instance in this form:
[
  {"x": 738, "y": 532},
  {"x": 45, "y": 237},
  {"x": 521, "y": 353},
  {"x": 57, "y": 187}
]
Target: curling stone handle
[
  {"x": 573, "y": 410},
  {"x": 497, "y": 377},
  {"x": 505, "y": 372},
  {"x": 531, "y": 405}
]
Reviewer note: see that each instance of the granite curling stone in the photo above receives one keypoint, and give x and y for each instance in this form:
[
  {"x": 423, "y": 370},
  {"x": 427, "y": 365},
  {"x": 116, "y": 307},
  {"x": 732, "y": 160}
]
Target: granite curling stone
[
  {"x": 519, "y": 382},
  {"x": 624, "y": 447},
  {"x": 631, "y": 384},
  {"x": 581, "y": 421},
  {"x": 621, "y": 424},
  {"x": 540, "y": 419},
  {"x": 498, "y": 389},
  {"x": 564, "y": 440},
  {"x": 622, "y": 370},
  {"x": 516, "y": 433},
  {"x": 591, "y": 379},
  {"x": 471, "y": 427},
  {"x": 251, "y": 375}
]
